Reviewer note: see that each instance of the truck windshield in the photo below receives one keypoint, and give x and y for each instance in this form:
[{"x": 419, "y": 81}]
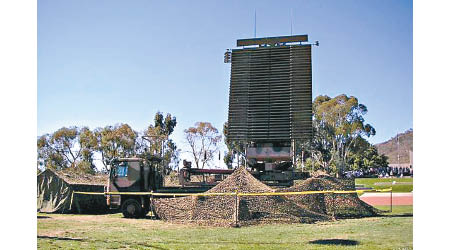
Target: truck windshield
[{"x": 122, "y": 171}]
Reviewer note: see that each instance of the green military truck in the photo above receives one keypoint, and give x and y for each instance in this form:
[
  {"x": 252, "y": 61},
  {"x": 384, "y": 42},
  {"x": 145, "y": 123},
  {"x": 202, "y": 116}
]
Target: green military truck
[{"x": 131, "y": 180}]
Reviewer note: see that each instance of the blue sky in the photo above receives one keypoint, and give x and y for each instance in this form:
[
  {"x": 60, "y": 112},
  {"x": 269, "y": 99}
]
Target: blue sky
[{"x": 107, "y": 62}]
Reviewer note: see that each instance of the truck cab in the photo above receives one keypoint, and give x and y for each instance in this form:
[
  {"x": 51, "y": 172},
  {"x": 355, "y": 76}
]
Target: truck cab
[{"x": 133, "y": 175}]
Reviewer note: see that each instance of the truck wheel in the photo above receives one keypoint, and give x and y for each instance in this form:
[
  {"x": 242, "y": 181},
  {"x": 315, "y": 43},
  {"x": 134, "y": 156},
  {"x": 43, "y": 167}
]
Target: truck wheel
[{"x": 131, "y": 209}]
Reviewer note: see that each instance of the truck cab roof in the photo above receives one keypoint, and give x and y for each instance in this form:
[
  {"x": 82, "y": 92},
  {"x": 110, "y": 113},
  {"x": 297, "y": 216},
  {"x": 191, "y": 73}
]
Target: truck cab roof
[{"x": 134, "y": 159}]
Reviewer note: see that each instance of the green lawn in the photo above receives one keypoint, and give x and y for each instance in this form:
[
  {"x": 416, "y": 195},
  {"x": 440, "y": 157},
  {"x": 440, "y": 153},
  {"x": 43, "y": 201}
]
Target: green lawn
[
  {"x": 402, "y": 185},
  {"x": 392, "y": 231},
  {"x": 397, "y": 210}
]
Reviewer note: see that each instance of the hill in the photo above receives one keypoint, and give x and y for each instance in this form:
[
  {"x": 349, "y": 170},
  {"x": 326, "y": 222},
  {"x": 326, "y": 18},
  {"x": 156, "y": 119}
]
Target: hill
[{"x": 389, "y": 148}]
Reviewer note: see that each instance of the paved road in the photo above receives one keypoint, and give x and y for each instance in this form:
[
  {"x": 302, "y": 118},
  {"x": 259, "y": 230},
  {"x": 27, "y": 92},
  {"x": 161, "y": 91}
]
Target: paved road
[{"x": 381, "y": 199}]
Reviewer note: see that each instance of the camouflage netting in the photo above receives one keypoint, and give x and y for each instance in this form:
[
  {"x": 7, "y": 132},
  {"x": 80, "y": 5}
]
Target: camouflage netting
[
  {"x": 173, "y": 181},
  {"x": 221, "y": 209},
  {"x": 337, "y": 205},
  {"x": 82, "y": 179},
  {"x": 55, "y": 190}
]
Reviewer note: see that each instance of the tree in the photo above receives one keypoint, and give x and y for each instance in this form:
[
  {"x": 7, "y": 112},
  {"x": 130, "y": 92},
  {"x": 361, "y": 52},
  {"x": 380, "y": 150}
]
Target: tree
[
  {"x": 48, "y": 157},
  {"x": 203, "y": 140},
  {"x": 338, "y": 123},
  {"x": 157, "y": 137},
  {"x": 319, "y": 149},
  {"x": 367, "y": 158},
  {"x": 63, "y": 142},
  {"x": 115, "y": 141},
  {"x": 68, "y": 148},
  {"x": 234, "y": 148},
  {"x": 88, "y": 145}
]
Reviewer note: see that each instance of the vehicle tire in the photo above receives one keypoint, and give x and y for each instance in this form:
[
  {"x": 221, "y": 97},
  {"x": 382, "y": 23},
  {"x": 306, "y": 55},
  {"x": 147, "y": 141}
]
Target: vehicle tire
[{"x": 131, "y": 208}]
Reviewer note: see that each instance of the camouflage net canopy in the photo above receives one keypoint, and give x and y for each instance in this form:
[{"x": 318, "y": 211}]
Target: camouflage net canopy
[
  {"x": 221, "y": 210},
  {"x": 336, "y": 205},
  {"x": 82, "y": 179},
  {"x": 310, "y": 208},
  {"x": 172, "y": 179},
  {"x": 55, "y": 191}
]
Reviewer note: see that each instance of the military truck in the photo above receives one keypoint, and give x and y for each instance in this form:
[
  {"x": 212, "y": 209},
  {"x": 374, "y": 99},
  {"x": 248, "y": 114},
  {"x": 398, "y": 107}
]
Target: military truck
[
  {"x": 132, "y": 179},
  {"x": 132, "y": 175}
]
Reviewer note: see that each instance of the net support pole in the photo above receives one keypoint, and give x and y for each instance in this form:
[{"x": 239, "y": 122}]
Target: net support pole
[
  {"x": 333, "y": 202},
  {"x": 245, "y": 153},
  {"x": 236, "y": 208},
  {"x": 391, "y": 200},
  {"x": 293, "y": 153},
  {"x": 192, "y": 207},
  {"x": 151, "y": 205},
  {"x": 71, "y": 201}
]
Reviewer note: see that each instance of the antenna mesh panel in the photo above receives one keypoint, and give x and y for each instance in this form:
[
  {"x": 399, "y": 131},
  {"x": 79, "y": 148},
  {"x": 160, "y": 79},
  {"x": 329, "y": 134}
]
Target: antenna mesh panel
[{"x": 270, "y": 94}]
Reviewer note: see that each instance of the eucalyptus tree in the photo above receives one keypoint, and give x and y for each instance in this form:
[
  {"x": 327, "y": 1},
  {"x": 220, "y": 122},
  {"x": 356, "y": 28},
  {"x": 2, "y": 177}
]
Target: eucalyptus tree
[
  {"x": 338, "y": 123},
  {"x": 158, "y": 141},
  {"x": 203, "y": 140},
  {"x": 235, "y": 148},
  {"x": 115, "y": 141},
  {"x": 68, "y": 148}
]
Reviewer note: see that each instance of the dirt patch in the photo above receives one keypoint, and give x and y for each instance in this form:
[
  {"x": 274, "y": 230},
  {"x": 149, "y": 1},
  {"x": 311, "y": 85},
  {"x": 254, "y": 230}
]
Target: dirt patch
[
  {"x": 386, "y": 200},
  {"x": 83, "y": 218},
  {"x": 57, "y": 233}
]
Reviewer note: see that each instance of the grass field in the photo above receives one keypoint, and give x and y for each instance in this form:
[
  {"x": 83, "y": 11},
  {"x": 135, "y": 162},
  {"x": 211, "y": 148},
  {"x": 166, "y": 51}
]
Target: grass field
[
  {"x": 402, "y": 184},
  {"x": 391, "y": 231}
]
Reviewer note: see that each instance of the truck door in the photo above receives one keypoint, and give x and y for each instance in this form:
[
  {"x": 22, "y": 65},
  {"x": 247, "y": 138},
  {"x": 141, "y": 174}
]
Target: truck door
[
  {"x": 128, "y": 177},
  {"x": 125, "y": 177}
]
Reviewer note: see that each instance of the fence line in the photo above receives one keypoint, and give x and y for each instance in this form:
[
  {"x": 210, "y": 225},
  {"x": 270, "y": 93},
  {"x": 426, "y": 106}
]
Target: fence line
[{"x": 238, "y": 193}]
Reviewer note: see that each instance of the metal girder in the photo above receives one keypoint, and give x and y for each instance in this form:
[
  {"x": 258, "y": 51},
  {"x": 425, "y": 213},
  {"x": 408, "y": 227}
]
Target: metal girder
[{"x": 272, "y": 40}]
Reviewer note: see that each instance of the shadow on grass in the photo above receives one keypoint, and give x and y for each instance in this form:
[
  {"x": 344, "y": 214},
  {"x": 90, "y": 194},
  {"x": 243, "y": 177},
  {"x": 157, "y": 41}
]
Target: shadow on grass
[
  {"x": 335, "y": 242},
  {"x": 43, "y": 217},
  {"x": 147, "y": 217},
  {"x": 58, "y": 238},
  {"x": 397, "y": 215},
  {"x": 152, "y": 246}
]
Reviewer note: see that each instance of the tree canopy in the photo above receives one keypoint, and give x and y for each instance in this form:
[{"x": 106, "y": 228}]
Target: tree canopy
[
  {"x": 235, "y": 148},
  {"x": 157, "y": 139},
  {"x": 68, "y": 148},
  {"x": 74, "y": 148},
  {"x": 339, "y": 132},
  {"x": 203, "y": 140},
  {"x": 115, "y": 141}
]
